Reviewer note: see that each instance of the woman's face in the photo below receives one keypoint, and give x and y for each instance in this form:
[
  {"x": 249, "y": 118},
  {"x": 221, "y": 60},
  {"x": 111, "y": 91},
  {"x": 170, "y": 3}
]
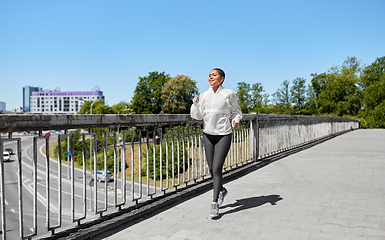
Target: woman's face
[{"x": 215, "y": 79}]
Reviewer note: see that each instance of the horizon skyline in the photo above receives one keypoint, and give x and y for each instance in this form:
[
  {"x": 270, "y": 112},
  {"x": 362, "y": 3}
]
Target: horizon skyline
[{"x": 96, "y": 86}]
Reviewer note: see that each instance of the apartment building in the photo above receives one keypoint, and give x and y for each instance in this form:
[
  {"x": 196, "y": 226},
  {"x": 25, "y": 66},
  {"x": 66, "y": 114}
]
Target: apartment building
[{"x": 58, "y": 102}]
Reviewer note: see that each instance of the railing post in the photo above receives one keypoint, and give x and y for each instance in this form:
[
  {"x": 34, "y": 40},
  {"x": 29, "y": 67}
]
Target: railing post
[
  {"x": 2, "y": 194},
  {"x": 254, "y": 135}
]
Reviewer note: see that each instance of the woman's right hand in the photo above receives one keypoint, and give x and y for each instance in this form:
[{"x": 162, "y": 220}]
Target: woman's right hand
[{"x": 196, "y": 99}]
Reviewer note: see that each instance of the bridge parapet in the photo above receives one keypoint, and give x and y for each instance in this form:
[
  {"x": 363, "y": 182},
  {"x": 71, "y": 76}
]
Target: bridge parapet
[{"x": 149, "y": 156}]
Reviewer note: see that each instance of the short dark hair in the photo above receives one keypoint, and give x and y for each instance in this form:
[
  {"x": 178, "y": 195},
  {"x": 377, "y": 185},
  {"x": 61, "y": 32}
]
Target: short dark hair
[{"x": 220, "y": 71}]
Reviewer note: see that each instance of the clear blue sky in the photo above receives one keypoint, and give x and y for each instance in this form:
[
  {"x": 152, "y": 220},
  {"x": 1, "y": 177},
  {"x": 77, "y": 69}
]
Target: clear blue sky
[{"x": 76, "y": 45}]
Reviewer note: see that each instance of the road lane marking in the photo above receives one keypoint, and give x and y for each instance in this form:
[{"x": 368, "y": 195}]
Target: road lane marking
[
  {"x": 10, "y": 182},
  {"x": 39, "y": 197},
  {"x": 78, "y": 185}
]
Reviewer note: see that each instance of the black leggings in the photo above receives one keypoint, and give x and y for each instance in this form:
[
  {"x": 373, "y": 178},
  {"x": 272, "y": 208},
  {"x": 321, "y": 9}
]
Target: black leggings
[{"x": 216, "y": 148}]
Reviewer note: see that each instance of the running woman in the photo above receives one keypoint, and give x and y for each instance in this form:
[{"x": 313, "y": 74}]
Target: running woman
[{"x": 216, "y": 106}]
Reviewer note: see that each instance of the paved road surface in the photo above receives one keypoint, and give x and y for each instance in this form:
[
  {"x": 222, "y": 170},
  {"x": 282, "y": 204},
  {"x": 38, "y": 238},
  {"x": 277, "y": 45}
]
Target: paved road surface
[{"x": 12, "y": 196}]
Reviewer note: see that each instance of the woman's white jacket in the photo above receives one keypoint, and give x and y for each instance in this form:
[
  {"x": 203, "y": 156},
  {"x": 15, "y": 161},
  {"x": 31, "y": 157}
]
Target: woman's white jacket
[{"x": 217, "y": 110}]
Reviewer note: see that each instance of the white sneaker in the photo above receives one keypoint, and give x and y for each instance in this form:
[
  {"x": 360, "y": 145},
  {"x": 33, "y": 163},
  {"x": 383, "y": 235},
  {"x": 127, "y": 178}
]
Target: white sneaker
[
  {"x": 222, "y": 196},
  {"x": 214, "y": 211}
]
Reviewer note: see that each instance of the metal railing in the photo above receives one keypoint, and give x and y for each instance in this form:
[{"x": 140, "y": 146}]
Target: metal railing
[{"x": 159, "y": 154}]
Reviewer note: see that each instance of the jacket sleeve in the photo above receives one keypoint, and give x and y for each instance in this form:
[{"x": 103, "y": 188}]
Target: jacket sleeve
[
  {"x": 196, "y": 111},
  {"x": 235, "y": 108}
]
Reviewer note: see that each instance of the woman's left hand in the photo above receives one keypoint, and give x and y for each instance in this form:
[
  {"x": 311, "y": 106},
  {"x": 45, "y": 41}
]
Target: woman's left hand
[{"x": 235, "y": 124}]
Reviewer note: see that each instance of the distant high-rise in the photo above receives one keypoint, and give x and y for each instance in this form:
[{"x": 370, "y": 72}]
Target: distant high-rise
[
  {"x": 27, "y": 93},
  {"x": 3, "y": 106}
]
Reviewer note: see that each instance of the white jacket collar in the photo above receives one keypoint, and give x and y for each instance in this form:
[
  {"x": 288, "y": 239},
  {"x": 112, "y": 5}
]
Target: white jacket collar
[{"x": 218, "y": 90}]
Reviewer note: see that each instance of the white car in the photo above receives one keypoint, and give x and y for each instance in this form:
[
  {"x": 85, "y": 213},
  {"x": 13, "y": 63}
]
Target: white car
[
  {"x": 101, "y": 177},
  {"x": 6, "y": 156}
]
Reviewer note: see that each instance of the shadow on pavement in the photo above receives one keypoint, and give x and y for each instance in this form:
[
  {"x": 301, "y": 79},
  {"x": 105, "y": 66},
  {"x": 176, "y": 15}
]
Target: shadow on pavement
[{"x": 247, "y": 203}]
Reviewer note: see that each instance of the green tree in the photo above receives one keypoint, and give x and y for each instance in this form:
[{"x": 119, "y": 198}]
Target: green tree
[
  {"x": 123, "y": 107},
  {"x": 298, "y": 92},
  {"x": 98, "y": 107},
  {"x": 147, "y": 95},
  {"x": 177, "y": 95},
  {"x": 337, "y": 92},
  {"x": 282, "y": 97},
  {"x": 77, "y": 154},
  {"x": 78, "y": 149},
  {"x": 258, "y": 98},
  {"x": 372, "y": 82},
  {"x": 243, "y": 95},
  {"x": 251, "y": 98},
  {"x": 310, "y": 107}
]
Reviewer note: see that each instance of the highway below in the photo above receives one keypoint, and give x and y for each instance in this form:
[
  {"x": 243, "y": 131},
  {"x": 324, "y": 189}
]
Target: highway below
[{"x": 52, "y": 207}]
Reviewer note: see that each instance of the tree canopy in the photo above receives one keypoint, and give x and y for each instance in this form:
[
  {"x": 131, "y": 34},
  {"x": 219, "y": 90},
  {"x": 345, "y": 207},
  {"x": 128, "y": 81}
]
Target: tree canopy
[
  {"x": 147, "y": 97},
  {"x": 177, "y": 95},
  {"x": 282, "y": 96},
  {"x": 251, "y": 98},
  {"x": 348, "y": 90},
  {"x": 337, "y": 92},
  {"x": 98, "y": 107},
  {"x": 372, "y": 82}
]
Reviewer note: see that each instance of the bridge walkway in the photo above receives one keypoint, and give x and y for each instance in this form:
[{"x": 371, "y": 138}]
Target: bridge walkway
[{"x": 333, "y": 190}]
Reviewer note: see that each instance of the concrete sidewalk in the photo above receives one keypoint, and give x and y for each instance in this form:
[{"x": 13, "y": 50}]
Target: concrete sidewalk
[{"x": 334, "y": 190}]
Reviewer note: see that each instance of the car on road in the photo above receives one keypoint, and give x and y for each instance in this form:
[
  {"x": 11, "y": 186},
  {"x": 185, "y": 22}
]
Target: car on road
[
  {"x": 6, "y": 156},
  {"x": 101, "y": 177},
  {"x": 10, "y": 150}
]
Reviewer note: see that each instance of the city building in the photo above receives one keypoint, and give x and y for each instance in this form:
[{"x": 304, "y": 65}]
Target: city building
[
  {"x": 27, "y": 93},
  {"x": 19, "y": 110},
  {"x": 58, "y": 102},
  {"x": 3, "y": 106}
]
